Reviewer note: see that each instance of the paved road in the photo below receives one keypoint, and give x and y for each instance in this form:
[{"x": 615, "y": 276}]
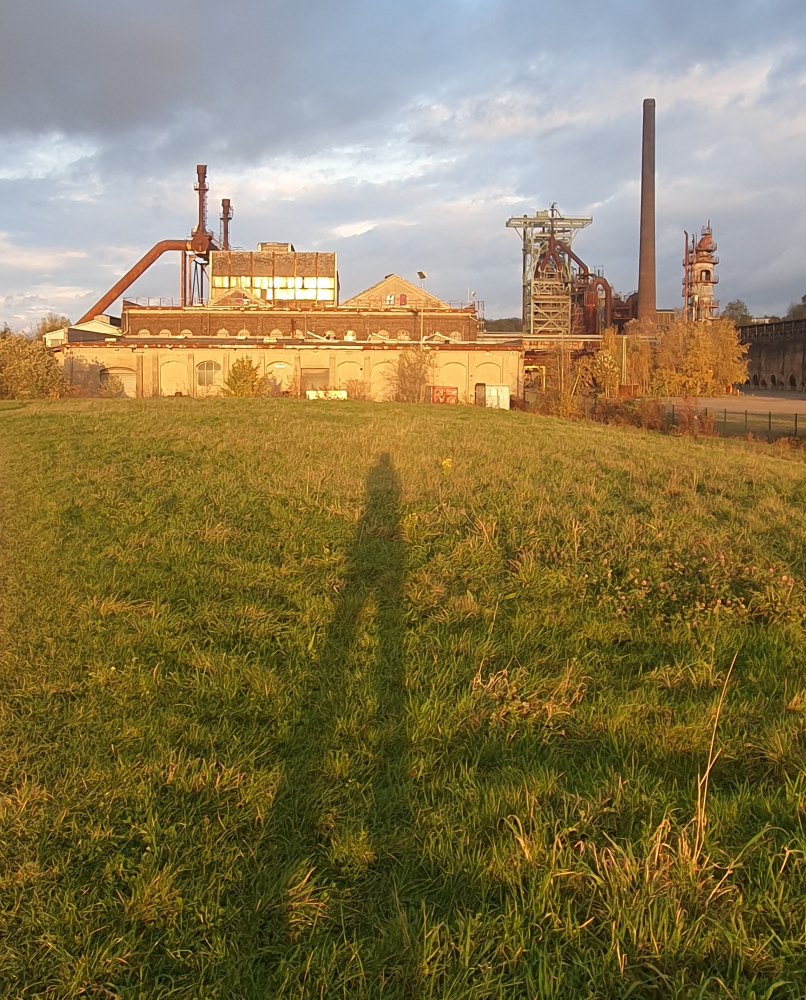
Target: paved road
[{"x": 755, "y": 402}]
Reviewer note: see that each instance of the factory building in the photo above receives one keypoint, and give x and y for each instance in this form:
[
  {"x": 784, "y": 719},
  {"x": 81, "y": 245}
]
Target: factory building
[{"x": 280, "y": 308}]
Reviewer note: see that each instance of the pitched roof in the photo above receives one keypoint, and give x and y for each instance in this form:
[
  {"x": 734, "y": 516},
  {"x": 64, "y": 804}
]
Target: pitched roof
[{"x": 393, "y": 284}]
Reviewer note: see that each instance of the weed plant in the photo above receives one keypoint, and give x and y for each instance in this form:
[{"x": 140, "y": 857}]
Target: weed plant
[{"x": 346, "y": 700}]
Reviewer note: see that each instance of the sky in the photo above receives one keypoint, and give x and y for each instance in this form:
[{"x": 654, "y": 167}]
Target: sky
[{"x": 401, "y": 135}]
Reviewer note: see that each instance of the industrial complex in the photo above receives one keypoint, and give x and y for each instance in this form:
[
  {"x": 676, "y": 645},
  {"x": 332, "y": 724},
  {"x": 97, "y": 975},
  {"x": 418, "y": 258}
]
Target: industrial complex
[{"x": 281, "y": 308}]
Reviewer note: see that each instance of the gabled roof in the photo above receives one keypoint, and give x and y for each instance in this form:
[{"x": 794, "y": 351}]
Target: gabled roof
[{"x": 375, "y": 296}]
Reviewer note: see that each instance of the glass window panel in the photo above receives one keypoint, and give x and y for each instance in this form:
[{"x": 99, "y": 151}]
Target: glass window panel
[{"x": 208, "y": 373}]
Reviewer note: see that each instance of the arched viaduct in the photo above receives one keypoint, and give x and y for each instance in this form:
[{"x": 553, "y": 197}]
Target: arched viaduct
[{"x": 777, "y": 356}]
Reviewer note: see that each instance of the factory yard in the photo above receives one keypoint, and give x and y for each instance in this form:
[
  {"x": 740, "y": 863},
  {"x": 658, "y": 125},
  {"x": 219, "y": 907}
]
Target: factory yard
[
  {"x": 348, "y": 700},
  {"x": 751, "y": 414},
  {"x": 758, "y": 401}
]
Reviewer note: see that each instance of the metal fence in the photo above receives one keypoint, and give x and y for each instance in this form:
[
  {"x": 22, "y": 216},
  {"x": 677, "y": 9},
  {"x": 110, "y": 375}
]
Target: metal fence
[{"x": 733, "y": 423}]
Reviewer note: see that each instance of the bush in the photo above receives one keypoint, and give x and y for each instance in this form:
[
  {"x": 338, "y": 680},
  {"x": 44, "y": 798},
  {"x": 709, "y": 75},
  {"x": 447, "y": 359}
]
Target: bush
[
  {"x": 357, "y": 388},
  {"x": 245, "y": 380},
  {"x": 415, "y": 369},
  {"x": 28, "y": 370}
]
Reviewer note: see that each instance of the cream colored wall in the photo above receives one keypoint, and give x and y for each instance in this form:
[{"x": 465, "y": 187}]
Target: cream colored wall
[{"x": 164, "y": 371}]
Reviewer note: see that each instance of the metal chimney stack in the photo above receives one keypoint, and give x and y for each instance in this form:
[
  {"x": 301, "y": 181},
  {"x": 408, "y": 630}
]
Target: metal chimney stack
[
  {"x": 647, "y": 303},
  {"x": 226, "y": 218},
  {"x": 202, "y": 187}
]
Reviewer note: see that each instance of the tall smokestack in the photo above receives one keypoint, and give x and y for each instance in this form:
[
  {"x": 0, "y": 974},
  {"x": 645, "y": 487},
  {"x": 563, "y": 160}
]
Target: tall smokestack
[{"x": 647, "y": 304}]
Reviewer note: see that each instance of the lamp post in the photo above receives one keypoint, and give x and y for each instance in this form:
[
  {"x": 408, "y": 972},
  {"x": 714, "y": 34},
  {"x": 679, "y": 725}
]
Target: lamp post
[{"x": 422, "y": 276}]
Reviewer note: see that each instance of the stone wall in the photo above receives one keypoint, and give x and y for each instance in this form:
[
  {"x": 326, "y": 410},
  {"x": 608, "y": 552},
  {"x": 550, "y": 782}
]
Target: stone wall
[
  {"x": 364, "y": 370},
  {"x": 778, "y": 361}
]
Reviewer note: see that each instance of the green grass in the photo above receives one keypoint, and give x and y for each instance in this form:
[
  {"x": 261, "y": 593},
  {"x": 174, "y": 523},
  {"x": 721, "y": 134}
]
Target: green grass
[{"x": 353, "y": 700}]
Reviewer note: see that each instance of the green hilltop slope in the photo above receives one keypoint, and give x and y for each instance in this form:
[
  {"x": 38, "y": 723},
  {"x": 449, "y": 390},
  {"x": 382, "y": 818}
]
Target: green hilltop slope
[{"x": 354, "y": 700}]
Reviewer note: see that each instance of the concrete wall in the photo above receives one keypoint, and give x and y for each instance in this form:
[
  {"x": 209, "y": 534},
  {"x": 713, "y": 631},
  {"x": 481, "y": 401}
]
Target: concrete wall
[{"x": 201, "y": 370}]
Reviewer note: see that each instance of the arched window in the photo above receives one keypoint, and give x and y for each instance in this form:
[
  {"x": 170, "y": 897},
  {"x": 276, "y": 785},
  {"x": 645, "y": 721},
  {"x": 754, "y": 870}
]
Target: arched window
[
  {"x": 705, "y": 275},
  {"x": 793, "y": 382},
  {"x": 208, "y": 373}
]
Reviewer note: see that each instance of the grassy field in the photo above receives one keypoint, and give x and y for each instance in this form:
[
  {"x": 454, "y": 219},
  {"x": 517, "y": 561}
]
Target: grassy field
[{"x": 349, "y": 700}]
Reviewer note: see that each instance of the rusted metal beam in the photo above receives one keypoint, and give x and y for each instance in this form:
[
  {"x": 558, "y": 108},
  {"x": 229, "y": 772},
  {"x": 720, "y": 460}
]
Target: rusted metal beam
[{"x": 128, "y": 279}]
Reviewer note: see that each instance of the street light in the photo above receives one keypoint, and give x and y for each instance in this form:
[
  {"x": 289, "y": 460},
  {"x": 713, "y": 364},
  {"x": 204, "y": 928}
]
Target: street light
[{"x": 422, "y": 276}]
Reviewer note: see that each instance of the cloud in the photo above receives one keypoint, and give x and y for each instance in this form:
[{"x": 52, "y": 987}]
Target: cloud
[
  {"x": 37, "y": 260},
  {"x": 401, "y": 137}
]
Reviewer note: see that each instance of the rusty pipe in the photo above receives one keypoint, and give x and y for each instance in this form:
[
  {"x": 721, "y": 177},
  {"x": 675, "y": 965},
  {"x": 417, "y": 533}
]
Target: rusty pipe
[{"x": 133, "y": 274}]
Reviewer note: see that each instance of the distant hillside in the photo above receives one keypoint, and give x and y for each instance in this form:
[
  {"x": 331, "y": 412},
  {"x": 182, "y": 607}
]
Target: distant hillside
[{"x": 510, "y": 323}]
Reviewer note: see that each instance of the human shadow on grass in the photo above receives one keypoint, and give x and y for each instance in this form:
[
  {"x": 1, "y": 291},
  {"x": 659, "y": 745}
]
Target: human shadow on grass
[
  {"x": 342, "y": 796},
  {"x": 343, "y": 860}
]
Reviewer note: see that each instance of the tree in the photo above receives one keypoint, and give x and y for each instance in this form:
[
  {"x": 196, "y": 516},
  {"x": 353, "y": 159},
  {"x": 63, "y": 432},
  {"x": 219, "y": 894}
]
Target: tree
[
  {"x": 245, "y": 380},
  {"x": 28, "y": 370},
  {"x": 797, "y": 310},
  {"x": 738, "y": 312},
  {"x": 51, "y": 321},
  {"x": 415, "y": 369},
  {"x": 512, "y": 324},
  {"x": 640, "y": 362},
  {"x": 605, "y": 374},
  {"x": 699, "y": 359}
]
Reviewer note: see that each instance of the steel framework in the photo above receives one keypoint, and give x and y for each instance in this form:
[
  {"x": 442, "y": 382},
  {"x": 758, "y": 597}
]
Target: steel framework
[{"x": 548, "y": 266}]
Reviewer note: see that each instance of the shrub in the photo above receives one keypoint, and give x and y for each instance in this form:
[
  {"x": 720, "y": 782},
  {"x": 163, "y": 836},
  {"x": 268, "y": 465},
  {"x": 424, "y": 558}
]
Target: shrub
[
  {"x": 415, "y": 369},
  {"x": 245, "y": 380},
  {"x": 357, "y": 388},
  {"x": 28, "y": 370}
]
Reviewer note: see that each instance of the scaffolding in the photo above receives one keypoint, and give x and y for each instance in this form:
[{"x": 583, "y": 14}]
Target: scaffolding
[{"x": 549, "y": 272}]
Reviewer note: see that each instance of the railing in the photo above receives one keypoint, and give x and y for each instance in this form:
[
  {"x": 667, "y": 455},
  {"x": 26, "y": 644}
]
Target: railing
[
  {"x": 151, "y": 300},
  {"x": 738, "y": 423},
  {"x": 774, "y": 328}
]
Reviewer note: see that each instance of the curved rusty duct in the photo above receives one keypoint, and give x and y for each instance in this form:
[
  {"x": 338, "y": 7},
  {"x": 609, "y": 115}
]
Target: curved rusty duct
[
  {"x": 200, "y": 244},
  {"x": 128, "y": 279}
]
